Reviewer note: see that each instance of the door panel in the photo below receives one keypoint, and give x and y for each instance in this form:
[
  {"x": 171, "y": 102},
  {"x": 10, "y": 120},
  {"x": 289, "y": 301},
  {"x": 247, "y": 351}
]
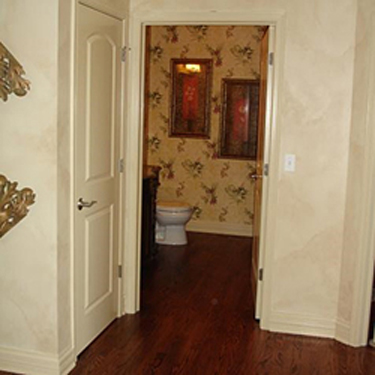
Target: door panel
[
  {"x": 258, "y": 176},
  {"x": 101, "y": 91},
  {"x": 99, "y": 38},
  {"x": 98, "y": 263}
]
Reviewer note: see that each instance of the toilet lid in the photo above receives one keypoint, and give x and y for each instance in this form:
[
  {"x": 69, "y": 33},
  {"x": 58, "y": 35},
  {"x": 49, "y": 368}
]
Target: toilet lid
[{"x": 172, "y": 206}]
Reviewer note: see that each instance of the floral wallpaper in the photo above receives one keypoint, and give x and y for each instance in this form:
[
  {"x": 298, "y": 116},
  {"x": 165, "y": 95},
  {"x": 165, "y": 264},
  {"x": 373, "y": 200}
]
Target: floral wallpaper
[{"x": 219, "y": 190}]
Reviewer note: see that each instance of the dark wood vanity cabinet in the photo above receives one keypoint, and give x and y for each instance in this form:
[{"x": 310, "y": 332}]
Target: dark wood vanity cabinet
[{"x": 149, "y": 194}]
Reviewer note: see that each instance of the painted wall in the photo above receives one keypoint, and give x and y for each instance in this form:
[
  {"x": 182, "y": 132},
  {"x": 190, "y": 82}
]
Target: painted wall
[
  {"x": 64, "y": 180},
  {"x": 28, "y": 143},
  {"x": 35, "y": 257},
  {"x": 220, "y": 190},
  {"x": 356, "y": 235},
  {"x": 313, "y": 121}
]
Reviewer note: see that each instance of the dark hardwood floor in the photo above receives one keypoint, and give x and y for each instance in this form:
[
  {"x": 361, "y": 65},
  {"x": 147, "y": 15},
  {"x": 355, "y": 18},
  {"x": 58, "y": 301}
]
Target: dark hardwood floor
[{"x": 197, "y": 319}]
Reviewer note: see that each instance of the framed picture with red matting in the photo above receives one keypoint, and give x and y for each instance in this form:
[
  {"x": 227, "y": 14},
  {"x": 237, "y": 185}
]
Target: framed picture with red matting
[
  {"x": 239, "y": 119},
  {"x": 190, "y": 98}
]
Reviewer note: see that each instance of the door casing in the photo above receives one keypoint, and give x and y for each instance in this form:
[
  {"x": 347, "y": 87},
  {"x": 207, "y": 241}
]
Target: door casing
[{"x": 134, "y": 146}]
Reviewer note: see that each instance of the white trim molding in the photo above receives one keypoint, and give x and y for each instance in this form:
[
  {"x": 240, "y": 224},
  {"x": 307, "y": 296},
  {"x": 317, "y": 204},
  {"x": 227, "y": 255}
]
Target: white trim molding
[
  {"x": 134, "y": 130},
  {"x": 364, "y": 270},
  {"x": 210, "y": 17},
  {"x": 36, "y": 363},
  {"x": 301, "y": 324},
  {"x": 215, "y": 227},
  {"x": 67, "y": 361},
  {"x": 342, "y": 333},
  {"x": 114, "y": 11},
  {"x": 306, "y": 324}
]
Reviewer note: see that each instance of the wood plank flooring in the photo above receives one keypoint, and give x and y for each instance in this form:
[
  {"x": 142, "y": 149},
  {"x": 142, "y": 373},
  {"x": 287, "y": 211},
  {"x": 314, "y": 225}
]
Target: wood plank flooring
[{"x": 197, "y": 319}]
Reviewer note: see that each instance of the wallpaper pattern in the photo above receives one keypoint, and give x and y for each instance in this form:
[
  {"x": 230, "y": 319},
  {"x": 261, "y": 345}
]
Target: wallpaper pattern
[{"x": 219, "y": 190}]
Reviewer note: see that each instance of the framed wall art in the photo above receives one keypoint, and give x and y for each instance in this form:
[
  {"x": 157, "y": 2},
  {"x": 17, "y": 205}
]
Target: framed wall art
[
  {"x": 190, "y": 98},
  {"x": 239, "y": 120}
]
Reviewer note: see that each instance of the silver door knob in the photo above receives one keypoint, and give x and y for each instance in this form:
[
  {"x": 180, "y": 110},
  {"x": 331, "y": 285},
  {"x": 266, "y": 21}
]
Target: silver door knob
[
  {"x": 255, "y": 176},
  {"x": 82, "y": 204}
]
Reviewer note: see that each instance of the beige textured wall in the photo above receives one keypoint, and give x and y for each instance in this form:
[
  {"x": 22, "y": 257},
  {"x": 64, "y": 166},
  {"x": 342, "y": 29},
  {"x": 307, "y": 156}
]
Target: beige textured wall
[
  {"x": 355, "y": 235},
  {"x": 219, "y": 189},
  {"x": 64, "y": 179},
  {"x": 314, "y": 120},
  {"x": 314, "y": 123},
  {"x": 28, "y": 141},
  {"x": 35, "y": 263}
]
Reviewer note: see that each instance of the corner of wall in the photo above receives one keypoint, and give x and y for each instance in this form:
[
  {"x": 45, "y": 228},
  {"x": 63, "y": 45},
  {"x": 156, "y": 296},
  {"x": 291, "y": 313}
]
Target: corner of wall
[
  {"x": 65, "y": 312},
  {"x": 36, "y": 363},
  {"x": 356, "y": 267}
]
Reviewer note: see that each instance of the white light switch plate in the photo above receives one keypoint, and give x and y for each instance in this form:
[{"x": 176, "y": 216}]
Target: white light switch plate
[{"x": 289, "y": 163}]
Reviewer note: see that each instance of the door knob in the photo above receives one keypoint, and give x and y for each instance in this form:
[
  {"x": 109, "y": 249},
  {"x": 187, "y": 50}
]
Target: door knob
[
  {"x": 82, "y": 204},
  {"x": 255, "y": 176}
]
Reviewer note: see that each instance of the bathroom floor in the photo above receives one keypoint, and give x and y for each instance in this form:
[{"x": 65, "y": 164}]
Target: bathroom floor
[{"x": 197, "y": 319}]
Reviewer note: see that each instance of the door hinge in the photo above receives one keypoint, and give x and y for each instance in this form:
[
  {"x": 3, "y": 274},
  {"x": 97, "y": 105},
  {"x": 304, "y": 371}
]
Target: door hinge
[
  {"x": 266, "y": 169},
  {"x": 270, "y": 58},
  {"x": 119, "y": 271},
  {"x": 121, "y": 165},
  {"x": 124, "y": 53},
  {"x": 260, "y": 274}
]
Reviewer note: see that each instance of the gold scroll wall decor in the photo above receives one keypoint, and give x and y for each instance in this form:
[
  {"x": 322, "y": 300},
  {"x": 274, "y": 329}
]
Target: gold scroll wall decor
[
  {"x": 13, "y": 204},
  {"x": 11, "y": 71}
]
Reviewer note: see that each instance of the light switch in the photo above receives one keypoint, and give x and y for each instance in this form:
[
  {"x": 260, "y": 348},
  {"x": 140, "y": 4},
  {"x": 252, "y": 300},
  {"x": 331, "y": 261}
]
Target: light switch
[{"x": 289, "y": 163}]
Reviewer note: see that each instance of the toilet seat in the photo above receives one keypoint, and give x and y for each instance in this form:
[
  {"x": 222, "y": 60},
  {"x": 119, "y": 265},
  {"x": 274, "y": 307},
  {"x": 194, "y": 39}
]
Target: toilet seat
[{"x": 169, "y": 206}]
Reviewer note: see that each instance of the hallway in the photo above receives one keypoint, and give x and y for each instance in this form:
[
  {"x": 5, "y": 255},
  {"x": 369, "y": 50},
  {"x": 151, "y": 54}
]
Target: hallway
[{"x": 197, "y": 319}]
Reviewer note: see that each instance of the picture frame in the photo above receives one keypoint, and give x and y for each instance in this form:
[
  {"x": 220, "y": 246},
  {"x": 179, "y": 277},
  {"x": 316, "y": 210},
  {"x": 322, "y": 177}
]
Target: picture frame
[
  {"x": 239, "y": 119},
  {"x": 190, "y": 98}
]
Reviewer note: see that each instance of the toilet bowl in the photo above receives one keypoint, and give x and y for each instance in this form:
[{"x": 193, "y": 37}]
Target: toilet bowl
[{"x": 171, "y": 218}]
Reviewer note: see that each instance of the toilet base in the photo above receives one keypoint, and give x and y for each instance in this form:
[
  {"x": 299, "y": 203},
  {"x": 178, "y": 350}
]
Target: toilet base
[{"x": 171, "y": 235}]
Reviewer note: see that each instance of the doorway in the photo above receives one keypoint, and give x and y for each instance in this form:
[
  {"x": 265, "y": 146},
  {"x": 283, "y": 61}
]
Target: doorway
[
  {"x": 220, "y": 188},
  {"x": 134, "y": 148}
]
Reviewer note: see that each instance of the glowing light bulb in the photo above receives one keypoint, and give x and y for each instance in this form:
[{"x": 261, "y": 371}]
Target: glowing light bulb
[{"x": 194, "y": 68}]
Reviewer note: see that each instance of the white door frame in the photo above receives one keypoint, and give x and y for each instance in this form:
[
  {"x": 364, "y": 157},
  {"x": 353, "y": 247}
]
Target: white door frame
[
  {"x": 134, "y": 144},
  {"x": 364, "y": 270}
]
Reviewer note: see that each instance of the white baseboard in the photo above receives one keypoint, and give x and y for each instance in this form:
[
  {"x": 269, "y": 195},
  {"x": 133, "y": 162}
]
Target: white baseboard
[
  {"x": 343, "y": 332},
  {"x": 67, "y": 361},
  {"x": 36, "y": 363},
  {"x": 302, "y": 324},
  {"x": 220, "y": 228}
]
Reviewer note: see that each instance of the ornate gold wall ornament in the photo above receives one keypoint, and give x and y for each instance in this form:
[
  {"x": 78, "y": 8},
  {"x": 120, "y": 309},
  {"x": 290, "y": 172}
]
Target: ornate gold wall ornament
[
  {"x": 13, "y": 204},
  {"x": 11, "y": 71}
]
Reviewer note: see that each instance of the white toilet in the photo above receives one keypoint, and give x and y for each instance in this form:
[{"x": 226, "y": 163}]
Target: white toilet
[{"x": 171, "y": 218}]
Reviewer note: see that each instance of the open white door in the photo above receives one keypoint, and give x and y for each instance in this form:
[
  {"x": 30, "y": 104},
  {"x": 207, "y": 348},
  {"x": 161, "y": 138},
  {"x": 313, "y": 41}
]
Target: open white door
[
  {"x": 97, "y": 123},
  {"x": 256, "y": 267}
]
